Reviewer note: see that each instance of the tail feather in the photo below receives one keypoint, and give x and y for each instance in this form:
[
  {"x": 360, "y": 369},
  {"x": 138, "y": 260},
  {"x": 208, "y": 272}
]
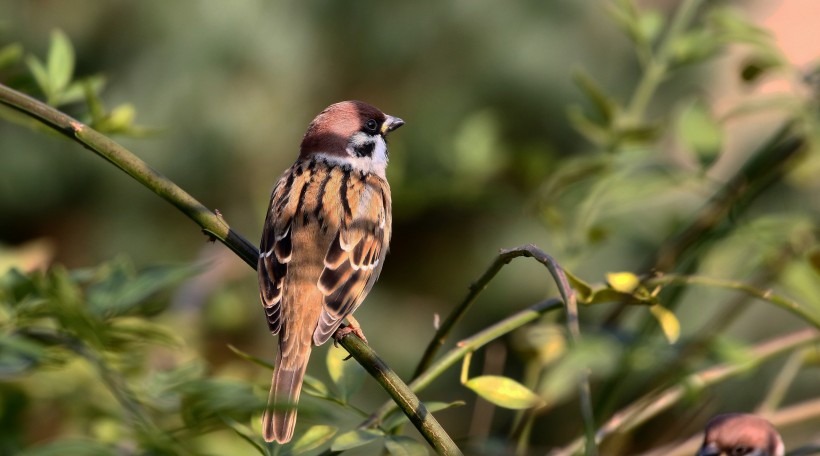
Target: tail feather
[{"x": 279, "y": 418}]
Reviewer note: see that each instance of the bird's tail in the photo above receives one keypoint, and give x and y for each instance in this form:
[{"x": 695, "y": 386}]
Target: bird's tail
[{"x": 279, "y": 418}]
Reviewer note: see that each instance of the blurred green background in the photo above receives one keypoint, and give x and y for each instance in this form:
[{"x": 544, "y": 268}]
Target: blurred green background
[{"x": 505, "y": 144}]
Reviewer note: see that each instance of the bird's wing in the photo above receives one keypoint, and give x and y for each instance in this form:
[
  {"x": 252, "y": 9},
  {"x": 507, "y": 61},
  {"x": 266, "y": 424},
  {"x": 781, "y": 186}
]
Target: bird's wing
[
  {"x": 355, "y": 256},
  {"x": 275, "y": 251}
]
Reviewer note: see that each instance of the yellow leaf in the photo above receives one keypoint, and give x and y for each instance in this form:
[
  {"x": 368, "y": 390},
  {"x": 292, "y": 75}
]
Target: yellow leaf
[
  {"x": 503, "y": 392},
  {"x": 625, "y": 282},
  {"x": 668, "y": 321}
]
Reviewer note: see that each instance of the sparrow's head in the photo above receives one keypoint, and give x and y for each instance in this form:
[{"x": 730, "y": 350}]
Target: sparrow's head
[
  {"x": 350, "y": 132},
  {"x": 737, "y": 434}
]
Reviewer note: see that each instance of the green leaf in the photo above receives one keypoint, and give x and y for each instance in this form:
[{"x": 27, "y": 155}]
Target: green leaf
[
  {"x": 355, "y": 439},
  {"x": 313, "y": 438},
  {"x": 60, "y": 62},
  {"x": 119, "y": 120},
  {"x": 503, "y": 392},
  {"x": 593, "y": 132},
  {"x": 668, "y": 321},
  {"x": 650, "y": 23},
  {"x": 700, "y": 132},
  {"x": 38, "y": 70},
  {"x": 348, "y": 376},
  {"x": 206, "y": 402},
  {"x": 121, "y": 291},
  {"x": 18, "y": 355},
  {"x": 76, "y": 91},
  {"x": 397, "y": 417},
  {"x": 604, "y": 105},
  {"x": 315, "y": 387},
  {"x": 694, "y": 46},
  {"x": 245, "y": 433},
  {"x": 10, "y": 54},
  {"x": 401, "y": 445}
]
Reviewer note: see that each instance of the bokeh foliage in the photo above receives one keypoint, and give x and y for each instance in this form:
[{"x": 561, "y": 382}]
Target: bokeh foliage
[{"x": 596, "y": 130}]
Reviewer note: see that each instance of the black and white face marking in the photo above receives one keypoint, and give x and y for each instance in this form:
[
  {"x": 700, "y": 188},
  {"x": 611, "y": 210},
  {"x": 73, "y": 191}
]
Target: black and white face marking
[{"x": 367, "y": 147}]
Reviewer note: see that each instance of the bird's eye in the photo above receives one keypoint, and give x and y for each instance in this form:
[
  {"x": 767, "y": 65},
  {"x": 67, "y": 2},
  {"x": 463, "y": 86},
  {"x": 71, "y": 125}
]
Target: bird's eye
[{"x": 371, "y": 126}]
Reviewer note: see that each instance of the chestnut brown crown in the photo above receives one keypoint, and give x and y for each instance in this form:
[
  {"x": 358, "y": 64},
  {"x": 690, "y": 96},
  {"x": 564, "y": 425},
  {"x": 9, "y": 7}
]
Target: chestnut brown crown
[
  {"x": 332, "y": 131},
  {"x": 737, "y": 434}
]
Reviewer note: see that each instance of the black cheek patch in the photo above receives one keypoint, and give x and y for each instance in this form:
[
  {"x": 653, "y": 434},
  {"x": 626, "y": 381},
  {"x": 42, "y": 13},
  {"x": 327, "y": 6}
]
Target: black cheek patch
[{"x": 364, "y": 150}]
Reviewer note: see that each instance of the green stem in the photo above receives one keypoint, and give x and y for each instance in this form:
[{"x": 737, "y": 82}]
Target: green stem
[
  {"x": 658, "y": 63},
  {"x": 783, "y": 302}
]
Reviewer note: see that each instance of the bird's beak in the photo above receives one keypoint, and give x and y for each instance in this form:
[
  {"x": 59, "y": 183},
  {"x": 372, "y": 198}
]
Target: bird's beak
[{"x": 390, "y": 124}]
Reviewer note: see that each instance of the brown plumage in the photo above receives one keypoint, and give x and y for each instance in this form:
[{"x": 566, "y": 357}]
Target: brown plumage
[
  {"x": 738, "y": 434},
  {"x": 323, "y": 243}
]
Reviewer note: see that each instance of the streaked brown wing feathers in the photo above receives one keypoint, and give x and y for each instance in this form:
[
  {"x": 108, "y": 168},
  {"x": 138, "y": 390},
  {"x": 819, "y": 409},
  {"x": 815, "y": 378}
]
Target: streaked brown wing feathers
[{"x": 353, "y": 257}]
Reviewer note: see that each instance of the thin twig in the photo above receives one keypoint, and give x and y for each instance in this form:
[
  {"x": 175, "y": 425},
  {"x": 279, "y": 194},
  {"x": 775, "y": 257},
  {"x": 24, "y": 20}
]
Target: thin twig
[{"x": 783, "y": 302}]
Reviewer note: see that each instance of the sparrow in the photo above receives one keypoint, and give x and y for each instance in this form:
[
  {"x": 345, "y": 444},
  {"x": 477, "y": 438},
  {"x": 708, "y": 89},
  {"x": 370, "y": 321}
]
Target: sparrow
[
  {"x": 738, "y": 434},
  {"x": 323, "y": 245}
]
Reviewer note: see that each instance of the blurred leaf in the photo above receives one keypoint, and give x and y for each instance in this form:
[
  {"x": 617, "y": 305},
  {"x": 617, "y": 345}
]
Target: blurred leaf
[
  {"x": 129, "y": 331},
  {"x": 10, "y": 54},
  {"x": 205, "y": 402},
  {"x": 604, "y": 105},
  {"x": 70, "y": 448},
  {"x": 668, "y": 321},
  {"x": 76, "y": 90},
  {"x": 348, "y": 376},
  {"x": 694, "y": 46},
  {"x": 121, "y": 291},
  {"x": 594, "y": 133},
  {"x": 736, "y": 28},
  {"x": 650, "y": 23},
  {"x": 313, "y": 438},
  {"x": 545, "y": 342},
  {"x": 18, "y": 355},
  {"x": 592, "y": 354},
  {"x": 401, "y": 445},
  {"x": 315, "y": 387},
  {"x": 503, "y": 392},
  {"x": 246, "y": 433},
  {"x": 119, "y": 120},
  {"x": 700, "y": 132},
  {"x": 625, "y": 282},
  {"x": 60, "y": 62},
  {"x": 355, "y": 438},
  {"x": 732, "y": 351},
  {"x": 38, "y": 70},
  {"x": 397, "y": 417}
]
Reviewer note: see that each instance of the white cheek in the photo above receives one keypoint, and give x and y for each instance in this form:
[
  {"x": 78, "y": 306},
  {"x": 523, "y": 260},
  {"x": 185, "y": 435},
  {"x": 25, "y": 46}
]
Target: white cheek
[
  {"x": 380, "y": 151},
  {"x": 376, "y": 163}
]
